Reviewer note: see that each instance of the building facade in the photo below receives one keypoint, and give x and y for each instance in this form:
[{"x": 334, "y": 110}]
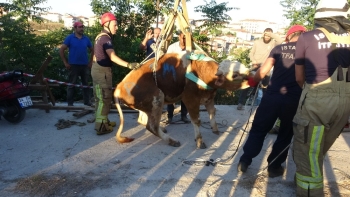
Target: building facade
[
  {"x": 53, "y": 17},
  {"x": 257, "y": 26}
]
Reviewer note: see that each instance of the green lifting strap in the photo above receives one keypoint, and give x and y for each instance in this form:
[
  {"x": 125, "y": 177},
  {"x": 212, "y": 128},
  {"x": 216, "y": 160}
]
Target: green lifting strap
[
  {"x": 199, "y": 57},
  {"x": 194, "y": 78}
]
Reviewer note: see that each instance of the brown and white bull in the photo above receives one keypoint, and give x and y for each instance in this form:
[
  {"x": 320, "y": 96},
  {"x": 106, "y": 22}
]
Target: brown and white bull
[{"x": 148, "y": 91}]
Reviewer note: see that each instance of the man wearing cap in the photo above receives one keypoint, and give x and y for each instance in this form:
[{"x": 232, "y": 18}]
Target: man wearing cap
[
  {"x": 279, "y": 101},
  {"x": 78, "y": 64},
  {"x": 101, "y": 72},
  {"x": 322, "y": 69},
  {"x": 258, "y": 54}
]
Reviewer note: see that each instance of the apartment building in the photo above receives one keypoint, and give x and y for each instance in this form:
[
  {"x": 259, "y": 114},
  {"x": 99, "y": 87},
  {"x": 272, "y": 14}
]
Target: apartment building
[
  {"x": 257, "y": 26},
  {"x": 53, "y": 17},
  {"x": 83, "y": 19},
  {"x": 234, "y": 25},
  {"x": 93, "y": 20},
  {"x": 69, "y": 19}
]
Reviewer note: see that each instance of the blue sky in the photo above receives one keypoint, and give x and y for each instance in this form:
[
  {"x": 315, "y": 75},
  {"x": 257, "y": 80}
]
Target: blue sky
[{"x": 253, "y": 9}]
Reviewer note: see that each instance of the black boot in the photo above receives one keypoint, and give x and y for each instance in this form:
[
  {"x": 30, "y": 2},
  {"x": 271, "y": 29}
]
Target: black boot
[
  {"x": 275, "y": 171},
  {"x": 185, "y": 119}
]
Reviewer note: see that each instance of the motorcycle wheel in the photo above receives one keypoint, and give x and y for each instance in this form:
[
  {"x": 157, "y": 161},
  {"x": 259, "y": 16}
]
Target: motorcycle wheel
[{"x": 16, "y": 114}]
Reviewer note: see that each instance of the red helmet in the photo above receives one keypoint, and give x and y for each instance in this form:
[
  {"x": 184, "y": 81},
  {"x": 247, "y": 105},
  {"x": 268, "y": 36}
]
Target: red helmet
[
  {"x": 106, "y": 17},
  {"x": 295, "y": 28}
]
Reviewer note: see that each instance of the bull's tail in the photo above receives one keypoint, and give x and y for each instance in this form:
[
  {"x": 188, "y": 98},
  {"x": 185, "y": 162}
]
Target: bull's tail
[{"x": 119, "y": 138}]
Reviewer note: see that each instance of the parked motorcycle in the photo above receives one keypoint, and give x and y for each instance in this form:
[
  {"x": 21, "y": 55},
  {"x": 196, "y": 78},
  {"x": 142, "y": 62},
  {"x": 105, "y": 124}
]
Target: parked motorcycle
[{"x": 14, "y": 96}]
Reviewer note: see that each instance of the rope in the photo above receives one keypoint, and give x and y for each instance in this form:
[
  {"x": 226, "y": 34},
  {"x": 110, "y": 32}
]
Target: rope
[
  {"x": 342, "y": 172},
  {"x": 220, "y": 125},
  {"x": 287, "y": 147},
  {"x": 213, "y": 162},
  {"x": 219, "y": 160},
  {"x": 62, "y": 124},
  {"x": 224, "y": 161},
  {"x": 146, "y": 59}
]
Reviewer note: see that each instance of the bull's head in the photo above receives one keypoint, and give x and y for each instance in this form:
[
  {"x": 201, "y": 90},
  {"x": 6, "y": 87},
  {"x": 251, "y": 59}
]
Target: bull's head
[{"x": 232, "y": 75}]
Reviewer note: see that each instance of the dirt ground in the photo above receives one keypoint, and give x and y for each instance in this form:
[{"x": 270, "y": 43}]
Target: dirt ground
[{"x": 36, "y": 159}]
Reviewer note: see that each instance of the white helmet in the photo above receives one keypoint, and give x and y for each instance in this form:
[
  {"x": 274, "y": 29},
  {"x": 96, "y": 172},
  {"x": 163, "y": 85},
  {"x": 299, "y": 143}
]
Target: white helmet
[{"x": 330, "y": 8}]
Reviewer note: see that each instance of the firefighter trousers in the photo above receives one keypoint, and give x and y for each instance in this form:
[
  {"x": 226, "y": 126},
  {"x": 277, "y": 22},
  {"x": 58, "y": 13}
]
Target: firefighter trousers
[
  {"x": 102, "y": 88},
  {"x": 272, "y": 106},
  {"x": 322, "y": 112}
]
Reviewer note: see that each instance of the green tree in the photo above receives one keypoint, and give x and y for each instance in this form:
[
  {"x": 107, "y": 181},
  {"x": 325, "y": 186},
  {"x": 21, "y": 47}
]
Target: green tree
[
  {"x": 17, "y": 40},
  {"x": 241, "y": 55},
  {"x": 214, "y": 14},
  {"x": 134, "y": 19},
  {"x": 300, "y": 11},
  {"x": 27, "y": 8},
  {"x": 231, "y": 34},
  {"x": 214, "y": 17}
]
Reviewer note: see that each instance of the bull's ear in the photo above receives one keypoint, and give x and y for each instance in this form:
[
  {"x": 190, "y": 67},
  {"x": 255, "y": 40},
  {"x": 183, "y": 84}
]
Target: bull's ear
[{"x": 219, "y": 72}]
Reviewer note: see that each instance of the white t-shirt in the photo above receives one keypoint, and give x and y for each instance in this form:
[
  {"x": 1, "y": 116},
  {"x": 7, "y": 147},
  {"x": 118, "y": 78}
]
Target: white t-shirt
[
  {"x": 175, "y": 48},
  {"x": 181, "y": 54}
]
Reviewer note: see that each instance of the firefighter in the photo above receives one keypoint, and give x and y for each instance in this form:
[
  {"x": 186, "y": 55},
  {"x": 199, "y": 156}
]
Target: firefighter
[
  {"x": 279, "y": 101},
  {"x": 321, "y": 64},
  {"x": 101, "y": 72}
]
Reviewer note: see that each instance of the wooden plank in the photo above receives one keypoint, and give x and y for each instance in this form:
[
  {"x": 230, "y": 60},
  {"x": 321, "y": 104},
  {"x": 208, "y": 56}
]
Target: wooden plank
[
  {"x": 39, "y": 75},
  {"x": 40, "y": 105},
  {"x": 52, "y": 98},
  {"x": 44, "y": 106},
  {"x": 37, "y": 87},
  {"x": 36, "y": 97},
  {"x": 54, "y": 85},
  {"x": 38, "y": 83}
]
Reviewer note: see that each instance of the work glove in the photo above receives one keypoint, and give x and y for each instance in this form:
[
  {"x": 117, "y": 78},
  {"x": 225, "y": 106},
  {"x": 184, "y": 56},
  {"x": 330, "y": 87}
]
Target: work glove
[
  {"x": 133, "y": 65},
  {"x": 251, "y": 82}
]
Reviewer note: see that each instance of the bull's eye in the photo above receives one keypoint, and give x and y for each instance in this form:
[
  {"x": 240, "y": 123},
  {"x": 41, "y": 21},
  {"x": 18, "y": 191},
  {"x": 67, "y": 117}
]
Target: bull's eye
[{"x": 235, "y": 75}]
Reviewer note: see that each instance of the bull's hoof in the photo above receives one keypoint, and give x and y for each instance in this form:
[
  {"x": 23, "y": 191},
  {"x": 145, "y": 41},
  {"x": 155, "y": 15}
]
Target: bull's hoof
[
  {"x": 174, "y": 143},
  {"x": 202, "y": 146},
  {"x": 124, "y": 140},
  {"x": 216, "y": 132}
]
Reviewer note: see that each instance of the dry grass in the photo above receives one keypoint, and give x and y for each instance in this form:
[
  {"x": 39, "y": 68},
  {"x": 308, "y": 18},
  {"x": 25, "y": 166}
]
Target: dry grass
[
  {"x": 41, "y": 28},
  {"x": 56, "y": 185}
]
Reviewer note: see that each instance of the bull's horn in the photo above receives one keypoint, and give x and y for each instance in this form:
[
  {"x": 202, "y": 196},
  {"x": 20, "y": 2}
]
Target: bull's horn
[{"x": 219, "y": 72}]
